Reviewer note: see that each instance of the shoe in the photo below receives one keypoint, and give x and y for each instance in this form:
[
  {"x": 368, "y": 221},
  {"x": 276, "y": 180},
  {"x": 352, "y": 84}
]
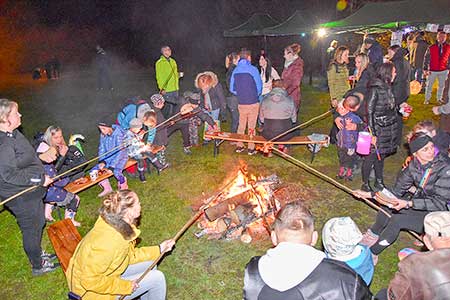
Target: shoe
[
  {"x": 124, "y": 185},
  {"x": 142, "y": 177},
  {"x": 251, "y": 152},
  {"x": 349, "y": 174},
  {"x": 187, "y": 150},
  {"x": 378, "y": 185},
  {"x": 369, "y": 238},
  {"x": 45, "y": 268},
  {"x": 163, "y": 167},
  {"x": 206, "y": 142},
  {"x": 366, "y": 187},
  {"x": 106, "y": 185},
  {"x": 341, "y": 173},
  {"x": 426, "y": 102},
  {"x": 48, "y": 256},
  {"x": 240, "y": 149},
  {"x": 69, "y": 214}
]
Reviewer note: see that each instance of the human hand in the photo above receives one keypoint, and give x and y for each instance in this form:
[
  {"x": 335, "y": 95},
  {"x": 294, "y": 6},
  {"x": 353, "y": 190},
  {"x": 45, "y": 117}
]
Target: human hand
[
  {"x": 400, "y": 204},
  {"x": 435, "y": 110},
  {"x": 162, "y": 92},
  {"x": 374, "y": 140},
  {"x": 101, "y": 166},
  {"x": 426, "y": 72},
  {"x": 349, "y": 125},
  {"x": 166, "y": 246},
  {"x": 134, "y": 285},
  {"x": 62, "y": 150},
  {"x": 334, "y": 103},
  {"x": 338, "y": 122},
  {"x": 47, "y": 181},
  {"x": 362, "y": 194}
]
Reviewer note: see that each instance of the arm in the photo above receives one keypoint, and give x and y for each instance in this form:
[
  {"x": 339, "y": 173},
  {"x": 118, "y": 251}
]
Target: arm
[
  {"x": 331, "y": 75},
  {"x": 257, "y": 77},
  {"x": 10, "y": 173},
  {"x": 296, "y": 77},
  {"x": 400, "y": 285},
  {"x": 232, "y": 87},
  {"x": 276, "y": 76},
  {"x": 261, "y": 111},
  {"x": 159, "y": 79},
  {"x": 144, "y": 254},
  {"x": 436, "y": 201},
  {"x": 221, "y": 96},
  {"x": 426, "y": 60},
  {"x": 371, "y": 103},
  {"x": 403, "y": 182}
]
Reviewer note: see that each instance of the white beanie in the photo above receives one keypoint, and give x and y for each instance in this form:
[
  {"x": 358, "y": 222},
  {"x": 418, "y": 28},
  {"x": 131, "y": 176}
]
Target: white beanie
[{"x": 340, "y": 236}]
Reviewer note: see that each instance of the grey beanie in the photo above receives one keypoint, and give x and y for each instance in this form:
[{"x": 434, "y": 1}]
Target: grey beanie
[{"x": 340, "y": 236}]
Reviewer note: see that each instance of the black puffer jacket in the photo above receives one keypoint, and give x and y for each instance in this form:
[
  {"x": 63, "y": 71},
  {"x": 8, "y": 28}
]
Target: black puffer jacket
[
  {"x": 435, "y": 195},
  {"x": 400, "y": 86},
  {"x": 331, "y": 280},
  {"x": 382, "y": 116}
]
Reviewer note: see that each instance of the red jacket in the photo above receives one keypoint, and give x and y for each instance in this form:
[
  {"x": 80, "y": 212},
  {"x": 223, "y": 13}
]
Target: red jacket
[
  {"x": 434, "y": 60},
  {"x": 292, "y": 77}
]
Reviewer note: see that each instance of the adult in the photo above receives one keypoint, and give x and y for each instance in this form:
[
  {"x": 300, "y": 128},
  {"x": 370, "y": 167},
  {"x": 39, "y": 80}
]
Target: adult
[
  {"x": 436, "y": 65},
  {"x": 429, "y": 175},
  {"x": 425, "y": 275},
  {"x": 331, "y": 51},
  {"x": 246, "y": 84},
  {"x": 103, "y": 69},
  {"x": 277, "y": 112},
  {"x": 268, "y": 74},
  {"x": 382, "y": 123},
  {"x": 294, "y": 269},
  {"x": 337, "y": 75},
  {"x": 167, "y": 78},
  {"x": 364, "y": 73},
  {"x": 417, "y": 56},
  {"x": 374, "y": 51},
  {"x": 20, "y": 168},
  {"x": 106, "y": 263},
  {"x": 293, "y": 72},
  {"x": 441, "y": 139},
  {"x": 444, "y": 112},
  {"x": 232, "y": 101}
]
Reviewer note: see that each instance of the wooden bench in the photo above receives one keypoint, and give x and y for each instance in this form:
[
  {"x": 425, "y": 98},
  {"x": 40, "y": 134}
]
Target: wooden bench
[
  {"x": 75, "y": 187},
  {"x": 220, "y": 137}
]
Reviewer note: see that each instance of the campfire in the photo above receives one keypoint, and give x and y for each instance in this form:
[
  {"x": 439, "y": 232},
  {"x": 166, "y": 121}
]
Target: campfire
[{"x": 244, "y": 210}]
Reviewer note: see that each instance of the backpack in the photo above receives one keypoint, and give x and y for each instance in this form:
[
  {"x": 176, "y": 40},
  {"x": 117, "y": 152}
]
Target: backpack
[{"x": 130, "y": 111}]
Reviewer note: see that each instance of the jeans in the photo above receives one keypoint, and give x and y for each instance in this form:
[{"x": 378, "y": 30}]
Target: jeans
[
  {"x": 184, "y": 128},
  {"x": 248, "y": 115},
  {"x": 419, "y": 75},
  {"x": 214, "y": 114},
  {"x": 29, "y": 212},
  {"x": 441, "y": 77},
  {"x": 152, "y": 287},
  {"x": 232, "y": 105},
  {"x": 169, "y": 105}
]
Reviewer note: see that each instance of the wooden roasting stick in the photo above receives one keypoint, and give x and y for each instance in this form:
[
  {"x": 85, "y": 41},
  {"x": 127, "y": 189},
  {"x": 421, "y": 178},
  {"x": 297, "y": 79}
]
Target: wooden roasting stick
[
  {"x": 120, "y": 147},
  {"x": 335, "y": 183}
]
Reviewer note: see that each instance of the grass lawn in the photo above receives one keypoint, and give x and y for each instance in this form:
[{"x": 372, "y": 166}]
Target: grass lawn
[{"x": 197, "y": 268}]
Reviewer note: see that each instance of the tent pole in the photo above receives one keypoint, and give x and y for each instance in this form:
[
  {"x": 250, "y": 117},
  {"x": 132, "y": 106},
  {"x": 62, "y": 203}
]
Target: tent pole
[{"x": 265, "y": 43}]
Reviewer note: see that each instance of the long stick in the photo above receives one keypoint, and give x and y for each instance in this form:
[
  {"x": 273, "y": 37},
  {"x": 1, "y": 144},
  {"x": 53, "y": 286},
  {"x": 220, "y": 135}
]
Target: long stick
[
  {"x": 183, "y": 230},
  {"x": 335, "y": 183},
  {"x": 120, "y": 147}
]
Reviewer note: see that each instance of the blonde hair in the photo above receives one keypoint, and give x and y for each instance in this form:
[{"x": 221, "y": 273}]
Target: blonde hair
[
  {"x": 425, "y": 126},
  {"x": 339, "y": 52},
  {"x": 364, "y": 64},
  {"x": 5, "y": 109},
  {"x": 49, "y": 132},
  {"x": 116, "y": 204}
]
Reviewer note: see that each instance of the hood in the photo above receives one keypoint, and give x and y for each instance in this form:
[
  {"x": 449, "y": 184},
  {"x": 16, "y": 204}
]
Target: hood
[
  {"x": 213, "y": 76},
  {"x": 288, "y": 264},
  {"x": 128, "y": 232},
  {"x": 278, "y": 94}
]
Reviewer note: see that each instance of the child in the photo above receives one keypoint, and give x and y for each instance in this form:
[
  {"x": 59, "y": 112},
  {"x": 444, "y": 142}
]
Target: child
[
  {"x": 139, "y": 151},
  {"x": 155, "y": 137},
  {"x": 160, "y": 137},
  {"x": 56, "y": 194},
  {"x": 341, "y": 237},
  {"x": 347, "y": 136},
  {"x": 112, "y": 137}
]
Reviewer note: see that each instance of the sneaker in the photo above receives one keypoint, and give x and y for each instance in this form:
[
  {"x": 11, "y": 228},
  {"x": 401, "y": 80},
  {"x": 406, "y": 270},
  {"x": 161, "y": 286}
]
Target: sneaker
[
  {"x": 163, "y": 167},
  {"x": 349, "y": 174},
  {"x": 142, "y": 177},
  {"x": 251, "y": 152},
  {"x": 341, "y": 173},
  {"x": 369, "y": 238},
  {"x": 426, "y": 102},
  {"x": 45, "y": 268},
  {"x": 48, "y": 256},
  {"x": 187, "y": 150},
  {"x": 240, "y": 149}
]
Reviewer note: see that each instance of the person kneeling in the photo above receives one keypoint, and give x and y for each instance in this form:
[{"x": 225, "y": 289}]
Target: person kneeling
[
  {"x": 106, "y": 263},
  {"x": 294, "y": 269}
]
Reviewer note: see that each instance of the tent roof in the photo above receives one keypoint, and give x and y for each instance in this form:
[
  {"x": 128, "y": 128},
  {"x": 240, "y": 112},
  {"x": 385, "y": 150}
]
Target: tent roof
[
  {"x": 299, "y": 22},
  {"x": 252, "y": 27},
  {"x": 386, "y": 15}
]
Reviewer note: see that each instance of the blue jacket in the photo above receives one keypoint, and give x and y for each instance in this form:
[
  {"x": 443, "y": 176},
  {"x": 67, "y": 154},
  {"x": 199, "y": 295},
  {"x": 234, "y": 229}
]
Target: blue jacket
[
  {"x": 116, "y": 159},
  {"x": 246, "y": 83},
  {"x": 363, "y": 264}
]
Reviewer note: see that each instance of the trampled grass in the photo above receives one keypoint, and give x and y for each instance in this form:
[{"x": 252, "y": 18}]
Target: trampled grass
[{"x": 197, "y": 268}]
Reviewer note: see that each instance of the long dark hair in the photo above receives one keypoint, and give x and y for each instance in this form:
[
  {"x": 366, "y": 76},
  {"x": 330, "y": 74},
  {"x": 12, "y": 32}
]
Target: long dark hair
[
  {"x": 385, "y": 72},
  {"x": 268, "y": 72}
]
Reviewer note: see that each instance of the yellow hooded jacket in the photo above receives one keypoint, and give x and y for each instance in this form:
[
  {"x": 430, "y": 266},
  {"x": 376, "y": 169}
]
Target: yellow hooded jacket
[{"x": 99, "y": 260}]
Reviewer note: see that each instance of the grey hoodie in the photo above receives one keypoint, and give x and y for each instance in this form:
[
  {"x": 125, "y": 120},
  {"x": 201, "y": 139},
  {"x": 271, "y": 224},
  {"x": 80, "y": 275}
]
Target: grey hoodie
[{"x": 277, "y": 105}]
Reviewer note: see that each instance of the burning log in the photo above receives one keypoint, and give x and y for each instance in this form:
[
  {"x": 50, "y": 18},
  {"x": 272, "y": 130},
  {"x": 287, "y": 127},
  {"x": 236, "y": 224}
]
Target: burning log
[{"x": 224, "y": 207}]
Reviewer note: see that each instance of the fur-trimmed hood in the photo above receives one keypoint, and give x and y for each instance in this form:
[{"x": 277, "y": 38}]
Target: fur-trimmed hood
[
  {"x": 212, "y": 74},
  {"x": 128, "y": 232}
]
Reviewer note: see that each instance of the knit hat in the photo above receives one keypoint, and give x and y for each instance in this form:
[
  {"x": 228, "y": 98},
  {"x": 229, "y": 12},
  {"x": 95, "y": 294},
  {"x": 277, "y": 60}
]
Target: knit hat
[
  {"x": 437, "y": 224},
  {"x": 340, "y": 236},
  {"x": 135, "y": 123},
  {"x": 142, "y": 109},
  {"x": 157, "y": 99},
  {"x": 419, "y": 142}
]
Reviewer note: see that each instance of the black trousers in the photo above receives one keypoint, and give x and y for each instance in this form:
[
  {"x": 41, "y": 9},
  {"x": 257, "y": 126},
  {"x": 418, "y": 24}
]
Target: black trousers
[
  {"x": 184, "y": 128},
  {"x": 371, "y": 161},
  {"x": 29, "y": 212},
  {"x": 388, "y": 229},
  {"x": 345, "y": 160}
]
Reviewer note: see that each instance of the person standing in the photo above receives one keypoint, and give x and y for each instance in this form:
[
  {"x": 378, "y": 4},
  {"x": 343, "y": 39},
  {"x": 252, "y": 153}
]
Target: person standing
[
  {"x": 268, "y": 74},
  {"x": 103, "y": 72},
  {"x": 293, "y": 72},
  {"x": 246, "y": 84},
  {"x": 436, "y": 65},
  {"x": 167, "y": 78},
  {"x": 232, "y": 101},
  {"x": 417, "y": 56},
  {"x": 338, "y": 75},
  {"x": 331, "y": 51},
  {"x": 20, "y": 168},
  {"x": 374, "y": 51}
]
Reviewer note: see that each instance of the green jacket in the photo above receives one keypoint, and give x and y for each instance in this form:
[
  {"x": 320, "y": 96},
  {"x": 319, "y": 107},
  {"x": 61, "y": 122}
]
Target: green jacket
[
  {"x": 167, "y": 74},
  {"x": 338, "y": 80}
]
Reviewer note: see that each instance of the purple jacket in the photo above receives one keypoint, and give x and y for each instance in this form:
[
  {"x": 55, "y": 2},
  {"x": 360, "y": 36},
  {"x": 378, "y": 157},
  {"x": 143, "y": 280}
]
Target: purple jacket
[
  {"x": 55, "y": 191},
  {"x": 118, "y": 158}
]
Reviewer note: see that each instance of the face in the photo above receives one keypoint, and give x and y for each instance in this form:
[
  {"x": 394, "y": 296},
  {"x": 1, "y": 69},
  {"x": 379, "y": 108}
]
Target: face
[
  {"x": 441, "y": 37},
  {"x": 367, "y": 45},
  {"x": 105, "y": 130},
  {"x": 167, "y": 52},
  {"x": 391, "y": 54},
  {"x": 426, "y": 154},
  {"x": 150, "y": 123},
  {"x": 134, "y": 212},
  {"x": 57, "y": 138},
  {"x": 345, "y": 56},
  {"x": 394, "y": 73},
  {"x": 358, "y": 62},
  {"x": 262, "y": 61},
  {"x": 287, "y": 55},
  {"x": 14, "y": 118}
]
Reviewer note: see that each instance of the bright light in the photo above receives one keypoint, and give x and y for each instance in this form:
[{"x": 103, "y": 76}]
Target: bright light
[
  {"x": 303, "y": 34},
  {"x": 322, "y": 32}
]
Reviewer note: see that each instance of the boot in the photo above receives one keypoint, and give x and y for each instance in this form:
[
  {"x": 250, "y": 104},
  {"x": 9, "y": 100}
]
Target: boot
[
  {"x": 366, "y": 187},
  {"x": 159, "y": 166},
  {"x": 124, "y": 185},
  {"x": 349, "y": 174},
  {"x": 106, "y": 187},
  {"x": 379, "y": 185},
  {"x": 71, "y": 215},
  {"x": 341, "y": 173},
  {"x": 48, "y": 212},
  {"x": 142, "y": 176}
]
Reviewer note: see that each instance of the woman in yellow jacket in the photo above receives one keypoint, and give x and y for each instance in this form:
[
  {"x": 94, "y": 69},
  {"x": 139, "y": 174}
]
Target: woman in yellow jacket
[{"x": 106, "y": 263}]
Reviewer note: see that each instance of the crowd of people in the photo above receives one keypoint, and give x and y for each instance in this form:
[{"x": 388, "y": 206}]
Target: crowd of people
[{"x": 106, "y": 263}]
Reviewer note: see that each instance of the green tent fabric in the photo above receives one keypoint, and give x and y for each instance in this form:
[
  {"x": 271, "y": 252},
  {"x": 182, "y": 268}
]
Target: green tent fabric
[
  {"x": 299, "y": 22},
  {"x": 252, "y": 27},
  {"x": 389, "y": 15}
]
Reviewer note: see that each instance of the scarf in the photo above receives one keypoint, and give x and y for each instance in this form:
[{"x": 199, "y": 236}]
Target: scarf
[{"x": 287, "y": 62}]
